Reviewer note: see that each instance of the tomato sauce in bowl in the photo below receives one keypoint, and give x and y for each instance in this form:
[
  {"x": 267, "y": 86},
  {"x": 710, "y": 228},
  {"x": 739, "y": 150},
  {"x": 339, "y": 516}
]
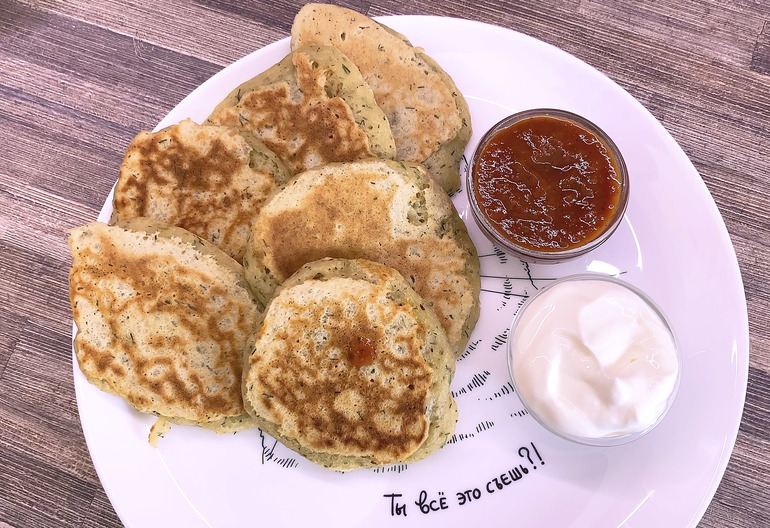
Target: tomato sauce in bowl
[{"x": 547, "y": 185}]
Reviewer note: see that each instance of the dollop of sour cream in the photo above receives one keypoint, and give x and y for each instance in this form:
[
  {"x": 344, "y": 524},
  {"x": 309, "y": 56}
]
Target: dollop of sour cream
[{"x": 593, "y": 359}]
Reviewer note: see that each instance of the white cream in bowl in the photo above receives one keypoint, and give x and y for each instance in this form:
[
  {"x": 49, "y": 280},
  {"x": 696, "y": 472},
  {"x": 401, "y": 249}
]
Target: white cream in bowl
[{"x": 594, "y": 360}]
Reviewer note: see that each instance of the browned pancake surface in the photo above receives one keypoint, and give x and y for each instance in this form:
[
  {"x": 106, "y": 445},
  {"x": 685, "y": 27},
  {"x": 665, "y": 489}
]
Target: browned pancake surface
[
  {"x": 311, "y": 109},
  {"x": 330, "y": 376},
  {"x": 351, "y": 368},
  {"x": 209, "y": 180},
  {"x": 160, "y": 323},
  {"x": 428, "y": 115},
  {"x": 382, "y": 211}
]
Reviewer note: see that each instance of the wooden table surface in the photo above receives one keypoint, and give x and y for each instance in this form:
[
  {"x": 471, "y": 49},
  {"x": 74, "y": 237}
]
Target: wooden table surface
[{"x": 78, "y": 79}]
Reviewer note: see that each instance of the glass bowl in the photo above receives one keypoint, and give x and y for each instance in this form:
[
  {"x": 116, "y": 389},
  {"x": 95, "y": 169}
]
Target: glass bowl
[
  {"x": 486, "y": 207},
  {"x": 594, "y": 360}
]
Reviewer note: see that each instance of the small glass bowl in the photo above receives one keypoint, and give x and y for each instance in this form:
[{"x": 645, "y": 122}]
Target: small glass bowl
[
  {"x": 543, "y": 256},
  {"x": 600, "y": 441}
]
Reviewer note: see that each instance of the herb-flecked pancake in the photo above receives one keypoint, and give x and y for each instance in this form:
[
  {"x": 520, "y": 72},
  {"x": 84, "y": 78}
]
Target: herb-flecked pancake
[
  {"x": 351, "y": 368},
  {"x": 311, "y": 108},
  {"x": 428, "y": 115},
  {"x": 210, "y": 180},
  {"x": 381, "y": 210},
  {"x": 163, "y": 320}
]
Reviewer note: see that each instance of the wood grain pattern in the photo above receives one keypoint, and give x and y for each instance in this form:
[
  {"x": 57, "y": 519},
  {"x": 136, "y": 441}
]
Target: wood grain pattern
[{"x": 78, "y": 79}]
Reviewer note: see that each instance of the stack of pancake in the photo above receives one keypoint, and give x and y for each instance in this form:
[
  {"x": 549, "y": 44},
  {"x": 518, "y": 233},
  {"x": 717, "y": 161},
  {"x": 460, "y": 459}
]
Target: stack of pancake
[{"x": 295, "y": 262}]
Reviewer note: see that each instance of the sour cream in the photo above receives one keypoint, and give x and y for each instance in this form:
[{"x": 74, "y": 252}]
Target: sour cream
[{"x": 593, "y": 359}]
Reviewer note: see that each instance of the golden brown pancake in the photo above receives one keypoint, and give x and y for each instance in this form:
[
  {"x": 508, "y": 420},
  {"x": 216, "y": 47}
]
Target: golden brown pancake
[
  {"x": 210, "y": 180},
  {"x": 351, "y": 368},
  {"x": 311, "y": 108},
  {"x": 164, "y": 320},
  {"x": 428, "y": 115},
  {"x": 384, "y": 211}
]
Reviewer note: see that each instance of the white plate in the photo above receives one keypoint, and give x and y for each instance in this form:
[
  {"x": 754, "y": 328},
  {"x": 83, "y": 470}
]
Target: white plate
[{"x": 501, "y": 466}]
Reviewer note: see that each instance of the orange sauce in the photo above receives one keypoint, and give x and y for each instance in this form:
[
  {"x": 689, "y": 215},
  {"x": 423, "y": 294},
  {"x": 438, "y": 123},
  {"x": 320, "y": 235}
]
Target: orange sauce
[
  {"x": 361, "y": 352},
  {"x": 547, "y": 184}
]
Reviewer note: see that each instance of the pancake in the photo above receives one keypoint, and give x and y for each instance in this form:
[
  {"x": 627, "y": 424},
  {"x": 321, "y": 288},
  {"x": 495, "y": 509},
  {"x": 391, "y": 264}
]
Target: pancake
[
  {"x": 428, "y": 115},
  {"x": 311, "y": 108},
  {"x": 380, "y": 210},
  {"x": 210, "y": 180},
  {"x": 351, "y": 368},
  {"x": 164, "y": 320}
]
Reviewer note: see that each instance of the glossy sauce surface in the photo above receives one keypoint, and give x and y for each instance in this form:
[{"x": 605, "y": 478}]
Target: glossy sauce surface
[
  {"x": 547, "y": 184},
  {"x": 361, "y": 352}
]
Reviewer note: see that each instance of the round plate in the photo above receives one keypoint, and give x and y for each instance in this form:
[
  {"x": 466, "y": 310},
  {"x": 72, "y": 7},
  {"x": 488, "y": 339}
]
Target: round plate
[{"x": 500, "y": 464}]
